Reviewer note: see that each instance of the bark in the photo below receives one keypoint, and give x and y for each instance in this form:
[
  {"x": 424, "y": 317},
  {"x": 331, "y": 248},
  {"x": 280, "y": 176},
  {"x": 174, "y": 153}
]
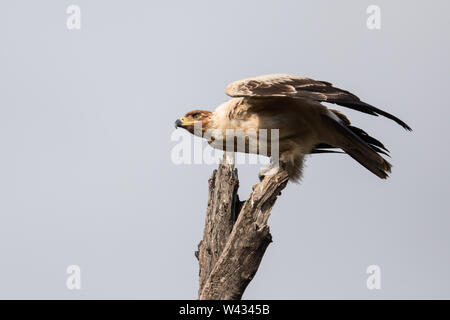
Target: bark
[{"x": 236, "y": 234}]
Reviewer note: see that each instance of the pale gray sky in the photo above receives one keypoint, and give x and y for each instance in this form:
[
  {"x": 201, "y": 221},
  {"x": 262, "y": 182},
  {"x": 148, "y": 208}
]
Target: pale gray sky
[{"x": 85, "y": 124}]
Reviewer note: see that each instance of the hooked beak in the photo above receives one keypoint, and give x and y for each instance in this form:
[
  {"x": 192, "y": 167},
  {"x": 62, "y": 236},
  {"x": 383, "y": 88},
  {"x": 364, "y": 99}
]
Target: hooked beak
[{"x": 178, "y": 124}]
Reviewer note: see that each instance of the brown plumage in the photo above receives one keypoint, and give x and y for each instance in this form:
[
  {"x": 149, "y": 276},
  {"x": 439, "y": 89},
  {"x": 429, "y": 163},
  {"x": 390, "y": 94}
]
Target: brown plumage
[{"x": 293, "y": 105}]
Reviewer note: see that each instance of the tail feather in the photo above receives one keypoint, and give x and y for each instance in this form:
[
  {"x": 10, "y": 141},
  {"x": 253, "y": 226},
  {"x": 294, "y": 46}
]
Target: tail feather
[
  {"x": 373, "y": 162},
  {"x": 361, "y": 147}
]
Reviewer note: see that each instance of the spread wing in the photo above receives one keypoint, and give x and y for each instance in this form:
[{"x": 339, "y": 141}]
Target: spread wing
[{"x": 288, "y": 86}]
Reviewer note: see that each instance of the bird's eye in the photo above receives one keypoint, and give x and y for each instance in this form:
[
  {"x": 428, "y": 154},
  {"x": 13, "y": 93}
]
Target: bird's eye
[{"x": 195, "y": 115}]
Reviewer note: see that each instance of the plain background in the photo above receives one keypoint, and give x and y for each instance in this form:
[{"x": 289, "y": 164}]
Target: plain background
[{"x": 86, "y": 117}]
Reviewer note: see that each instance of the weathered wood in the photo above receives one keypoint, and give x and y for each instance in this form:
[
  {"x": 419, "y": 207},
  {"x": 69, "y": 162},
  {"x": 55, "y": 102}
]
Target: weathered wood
[
  {"x": 231, "y": 251},
  {"x": 223, "y": 203}
]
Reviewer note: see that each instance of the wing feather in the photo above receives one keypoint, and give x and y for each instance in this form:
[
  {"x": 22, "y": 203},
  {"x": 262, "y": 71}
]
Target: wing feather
[{"x": 289, "y": 86}]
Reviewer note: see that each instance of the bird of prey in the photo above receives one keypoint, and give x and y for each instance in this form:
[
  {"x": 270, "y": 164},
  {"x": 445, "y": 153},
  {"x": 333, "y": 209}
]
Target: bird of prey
[{"x": 292, "y": 104}]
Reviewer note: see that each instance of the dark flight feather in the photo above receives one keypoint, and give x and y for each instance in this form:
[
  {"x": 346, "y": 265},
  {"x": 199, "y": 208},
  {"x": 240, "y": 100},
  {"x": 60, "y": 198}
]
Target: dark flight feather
[
  {"x": 358, "y": 149},
  {"x": 282, "y": 85}
]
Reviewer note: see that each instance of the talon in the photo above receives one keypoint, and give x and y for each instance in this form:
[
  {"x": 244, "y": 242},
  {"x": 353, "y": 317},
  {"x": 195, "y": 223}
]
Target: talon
[
  {"x": 272, "y": 171},
  {"x": 262, "y": 173}
]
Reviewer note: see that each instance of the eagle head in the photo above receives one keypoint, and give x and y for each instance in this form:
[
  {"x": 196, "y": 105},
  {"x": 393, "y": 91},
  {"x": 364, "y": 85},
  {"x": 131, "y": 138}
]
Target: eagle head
[{"x": 195, "y": 119}]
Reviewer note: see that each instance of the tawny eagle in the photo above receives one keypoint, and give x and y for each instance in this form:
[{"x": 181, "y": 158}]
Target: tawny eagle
[{"x": 292, "y": 105}]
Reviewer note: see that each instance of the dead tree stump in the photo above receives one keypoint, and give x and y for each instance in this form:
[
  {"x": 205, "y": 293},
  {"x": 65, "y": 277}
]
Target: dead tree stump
[{"x": 236, "y": 233}]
